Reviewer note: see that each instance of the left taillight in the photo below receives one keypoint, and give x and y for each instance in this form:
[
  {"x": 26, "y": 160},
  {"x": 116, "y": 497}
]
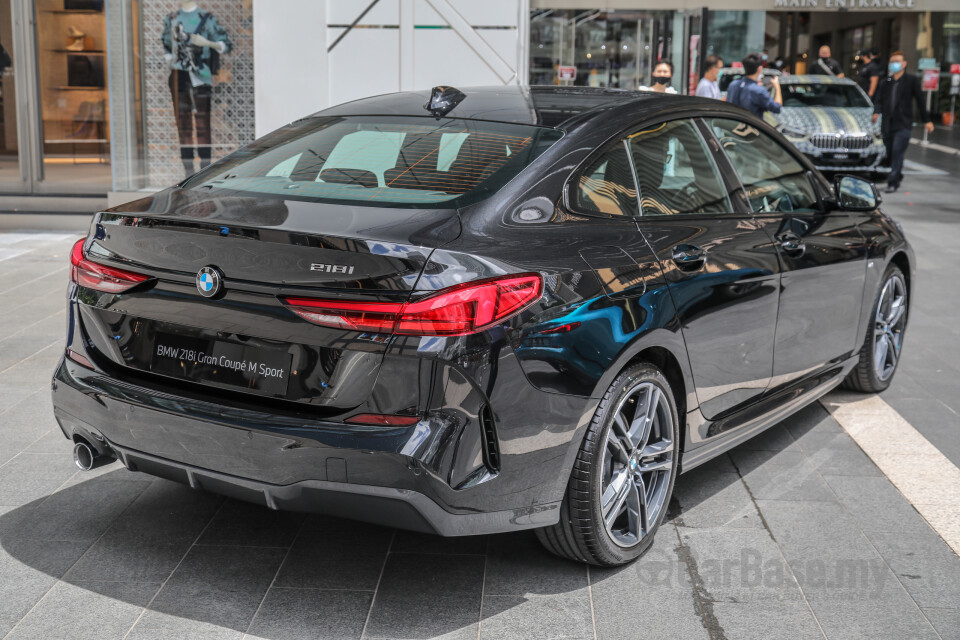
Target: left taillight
[
  {"x": 459, "y": 310},
  {"x": 98, "y": 277}
]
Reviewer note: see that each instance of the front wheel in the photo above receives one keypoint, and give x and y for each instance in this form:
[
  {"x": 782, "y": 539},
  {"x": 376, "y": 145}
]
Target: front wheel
[
  {"x": 623, "y": 477},
  {"x": 880, "y": 353}
]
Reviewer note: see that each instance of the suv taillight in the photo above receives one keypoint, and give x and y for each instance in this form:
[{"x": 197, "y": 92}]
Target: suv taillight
[
  {"x": 459, "y": 310},
  {"x": 94, "y": 276}
]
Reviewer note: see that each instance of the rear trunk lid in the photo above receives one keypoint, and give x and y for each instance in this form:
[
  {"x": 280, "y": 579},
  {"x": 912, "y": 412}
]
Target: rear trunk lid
[{"x": 244, "y": 340}]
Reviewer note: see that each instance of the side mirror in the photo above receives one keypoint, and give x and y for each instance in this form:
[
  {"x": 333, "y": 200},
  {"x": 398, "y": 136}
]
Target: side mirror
[{"x": 855, "y": 194}]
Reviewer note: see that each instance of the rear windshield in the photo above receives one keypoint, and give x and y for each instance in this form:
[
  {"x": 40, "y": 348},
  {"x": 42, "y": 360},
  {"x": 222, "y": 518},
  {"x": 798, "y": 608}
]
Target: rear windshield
[
  {"x": 380, "y": 160},
  {"x": 823, "y": 95}
]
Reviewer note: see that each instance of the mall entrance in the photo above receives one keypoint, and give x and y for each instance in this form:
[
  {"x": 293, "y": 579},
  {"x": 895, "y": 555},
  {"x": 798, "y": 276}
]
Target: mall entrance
[{"x": 54, "y": 107}]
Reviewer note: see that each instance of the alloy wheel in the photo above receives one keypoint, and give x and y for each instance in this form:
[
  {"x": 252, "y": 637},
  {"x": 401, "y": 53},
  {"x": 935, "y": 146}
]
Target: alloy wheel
[
  {"x": 889, "y": 323},
  {"x": 637, "y": 464}
]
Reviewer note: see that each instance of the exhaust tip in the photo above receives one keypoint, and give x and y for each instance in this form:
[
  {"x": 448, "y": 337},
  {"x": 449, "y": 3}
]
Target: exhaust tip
[{"x": 83, "y": 456}]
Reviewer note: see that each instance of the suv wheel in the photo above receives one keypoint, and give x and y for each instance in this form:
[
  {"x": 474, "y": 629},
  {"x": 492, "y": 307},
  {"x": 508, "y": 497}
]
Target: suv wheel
[{"x": 623, "y": 477}]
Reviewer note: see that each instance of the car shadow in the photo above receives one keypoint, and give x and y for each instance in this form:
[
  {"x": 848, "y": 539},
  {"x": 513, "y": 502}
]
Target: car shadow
[{"x": 194, "y": 557}]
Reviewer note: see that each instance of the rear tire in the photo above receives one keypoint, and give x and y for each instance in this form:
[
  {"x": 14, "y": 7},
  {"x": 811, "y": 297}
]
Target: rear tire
[
  {"x": 623, "y": 476},
  {"x": 880, "y": 353}
]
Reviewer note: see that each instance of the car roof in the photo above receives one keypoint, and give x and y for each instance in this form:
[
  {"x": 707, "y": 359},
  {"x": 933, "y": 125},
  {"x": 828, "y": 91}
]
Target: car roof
[
  {"x": 815, "y": 79},
  {"x": 548, "y": 106}
]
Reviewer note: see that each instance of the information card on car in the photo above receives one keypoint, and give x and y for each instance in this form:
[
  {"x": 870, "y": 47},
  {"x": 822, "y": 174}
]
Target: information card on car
[{"x": 226, "y": 363}]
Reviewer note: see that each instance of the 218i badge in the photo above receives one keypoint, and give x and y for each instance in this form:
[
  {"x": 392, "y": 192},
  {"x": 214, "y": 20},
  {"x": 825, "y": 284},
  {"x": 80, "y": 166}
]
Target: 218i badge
[{"x": 209, "y": 281}]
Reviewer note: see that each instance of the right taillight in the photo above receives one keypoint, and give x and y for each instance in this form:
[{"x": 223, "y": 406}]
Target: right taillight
[
  {"x": 459, "y": 310},
  {"x": 98, "y": 277}
]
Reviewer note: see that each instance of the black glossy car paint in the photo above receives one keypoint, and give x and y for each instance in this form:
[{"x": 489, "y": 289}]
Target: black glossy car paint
[{"x": 743, "y": 343}]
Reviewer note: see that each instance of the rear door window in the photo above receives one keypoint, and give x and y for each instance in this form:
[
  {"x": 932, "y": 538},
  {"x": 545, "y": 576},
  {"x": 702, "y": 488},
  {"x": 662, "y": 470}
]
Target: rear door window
[
  {"x": 774, "y": 180},
  {"x": 674, "y": 171},
  {"x": 606, "y": 185},
  {"x": 381, "y": 160}
]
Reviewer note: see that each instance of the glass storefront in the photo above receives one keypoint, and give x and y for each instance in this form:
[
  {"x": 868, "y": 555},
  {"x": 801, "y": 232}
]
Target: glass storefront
[
  {"x": 608, "y": 48},
  {"x": 121, "y": 95}
]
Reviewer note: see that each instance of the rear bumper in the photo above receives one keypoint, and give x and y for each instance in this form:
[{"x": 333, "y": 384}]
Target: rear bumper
[{"x": 365, "y": 473}]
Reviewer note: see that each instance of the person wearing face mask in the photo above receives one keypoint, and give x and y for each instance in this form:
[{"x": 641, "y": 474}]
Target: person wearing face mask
[
  {"x": 780, "y": 65},
  {"x": 747, "y": 91},
  {"x": 894, "y": 101},
  {"x": 825, "y": 65},
  {"x": 662, "y": 75},
  {"x": 709, "y": 86}
]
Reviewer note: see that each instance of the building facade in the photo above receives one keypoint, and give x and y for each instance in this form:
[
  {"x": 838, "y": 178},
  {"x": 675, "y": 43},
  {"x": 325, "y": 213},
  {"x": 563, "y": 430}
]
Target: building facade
[{"x": 119, "y": 97}]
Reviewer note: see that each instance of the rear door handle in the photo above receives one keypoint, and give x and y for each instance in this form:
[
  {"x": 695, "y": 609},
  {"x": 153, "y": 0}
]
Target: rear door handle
[
  {"x": 792, "y": 244},
  {"x": 689, "y": 257}
]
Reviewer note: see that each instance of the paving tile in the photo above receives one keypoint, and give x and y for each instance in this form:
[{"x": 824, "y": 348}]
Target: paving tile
[
  {"x": 415, "y": 542},
  {"x": 518, "y": 564},
  {"x": 659, "y": 586},
  {"x": 928, "y": 569},
  {"x": 780, "y": 475},
  {"x": 875, "y": 504},
  {"x": 562, "y": 615},
  {"x": 165, "y": 513},
  {"x": 181, "y": 629},
  {"x": 837, "y": 454},
  {"x": 28, "y": 569},
  {"x": 31, "y": 476},
  {"x": 127, "y": 561},
  {"x": 704, "y": 498},
  {"x": 427, "y": 595},
  {"x": 246, "y": 524},
  {"x": 828, "y": 553},
  {"x": 86, "y": 610},
  {"x": 870, "y": 619},
  {"x": 83, "y": 511},
  {"x": 776, "y": 438},
  {"x": 306, "y": 614},
  {"x": 810, "y": 419},
  {"x": 740, "y": 565},
  {"x": 214, "y": 587},
  {"x": 349, "y": 555},
  {"x": 945, "y": 621},
  {"x": 793, "y": 620}
]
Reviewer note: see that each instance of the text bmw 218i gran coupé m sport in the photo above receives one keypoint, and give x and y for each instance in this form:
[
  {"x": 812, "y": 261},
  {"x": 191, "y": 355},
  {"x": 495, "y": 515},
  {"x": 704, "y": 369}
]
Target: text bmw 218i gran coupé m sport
[{"x": 477, "y": 311}]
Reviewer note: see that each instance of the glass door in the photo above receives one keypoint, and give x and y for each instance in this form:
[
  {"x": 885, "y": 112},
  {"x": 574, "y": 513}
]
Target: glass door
[
  {"x": 73, "y": 94},
  {"x": 54, "y": 132},
  {"x": 10, "y": 174}
]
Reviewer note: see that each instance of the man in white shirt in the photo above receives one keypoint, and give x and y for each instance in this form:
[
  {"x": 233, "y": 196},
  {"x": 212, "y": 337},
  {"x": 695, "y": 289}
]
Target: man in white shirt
[{"x": 709, "y": 86}]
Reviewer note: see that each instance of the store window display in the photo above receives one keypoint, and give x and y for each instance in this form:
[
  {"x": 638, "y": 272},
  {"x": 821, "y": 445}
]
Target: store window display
[
  {"x": 193, "y": 40},
  {"x": 196, "y": 70}
]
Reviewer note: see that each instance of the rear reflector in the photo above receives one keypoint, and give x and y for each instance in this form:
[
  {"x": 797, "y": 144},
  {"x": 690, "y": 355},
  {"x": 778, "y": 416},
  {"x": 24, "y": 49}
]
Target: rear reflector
[
  {"x": 383, "y": 420},
  {"x": 79, "y": 359},
  {"x": 459, "y": 310},
  {"x": 94, "y": 276}
]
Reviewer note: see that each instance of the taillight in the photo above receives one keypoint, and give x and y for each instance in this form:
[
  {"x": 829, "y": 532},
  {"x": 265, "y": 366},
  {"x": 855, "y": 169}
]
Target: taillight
[
  {"x": 94, "y": 276},
  {"x": 459, "y": 310}
]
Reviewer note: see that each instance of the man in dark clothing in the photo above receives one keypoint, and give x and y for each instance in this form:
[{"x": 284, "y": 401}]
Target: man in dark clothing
[
  {"x": 894, "y": 102},
  {"x": 825, "y": 65},
  {"x": 871, "y": 71},
  {"x": 747, "y": 92}
]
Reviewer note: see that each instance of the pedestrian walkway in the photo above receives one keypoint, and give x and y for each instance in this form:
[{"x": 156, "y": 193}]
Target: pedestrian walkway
[{"x": 944, "y": 139}]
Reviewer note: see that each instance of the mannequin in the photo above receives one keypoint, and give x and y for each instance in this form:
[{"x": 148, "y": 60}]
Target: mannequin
[{"x": 193, "y": 40}]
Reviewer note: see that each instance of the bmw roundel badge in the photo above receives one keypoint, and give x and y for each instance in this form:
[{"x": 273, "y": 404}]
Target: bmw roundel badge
[{"x": 209, "y": 281}]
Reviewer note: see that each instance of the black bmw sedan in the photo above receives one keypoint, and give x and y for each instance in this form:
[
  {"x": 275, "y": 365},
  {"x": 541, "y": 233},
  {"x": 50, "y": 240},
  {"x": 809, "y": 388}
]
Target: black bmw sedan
[{"x": 477, "y": 311}]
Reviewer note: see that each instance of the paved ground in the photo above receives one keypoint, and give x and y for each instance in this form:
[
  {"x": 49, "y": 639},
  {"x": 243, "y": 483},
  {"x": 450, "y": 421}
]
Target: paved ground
[{"x": 796, "y": 534}]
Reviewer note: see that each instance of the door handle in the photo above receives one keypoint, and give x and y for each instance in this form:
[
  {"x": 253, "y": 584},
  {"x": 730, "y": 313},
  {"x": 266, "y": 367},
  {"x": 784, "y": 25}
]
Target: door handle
[
  {"x": 791, "y": 243},
  {"x": 689, "y": 257}
]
